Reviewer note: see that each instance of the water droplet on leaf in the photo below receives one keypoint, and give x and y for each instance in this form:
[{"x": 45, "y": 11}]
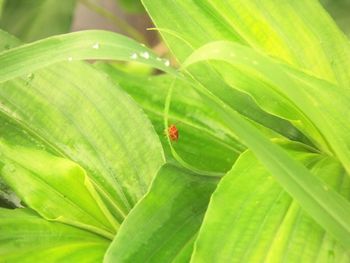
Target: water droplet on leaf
[
  {"x": 96, "y": 46},
  {"x": 144, "y": 55},
  {"x": 134, "y": 56},
  {"x": 70, "y": 59},
  {"x": 167, "y": 63}
]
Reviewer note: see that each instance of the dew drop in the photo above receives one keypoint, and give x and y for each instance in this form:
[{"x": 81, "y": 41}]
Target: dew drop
[
  {"x": 70, "y": 59},
  {"x": 325, "y": 187},
  {"x": 96, "y": 46},
  {"x": 134, "y": 56},
  {"x": 144, "y": 55},
  {"x": 167, "y": 63}
]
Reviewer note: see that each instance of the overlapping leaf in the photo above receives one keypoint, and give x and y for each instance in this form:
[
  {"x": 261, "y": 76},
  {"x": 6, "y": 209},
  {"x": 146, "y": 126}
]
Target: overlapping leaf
[
  {"x": 204, "y": 141},
  {"x": 251, "y": 219},
  {"x": 53, "y": 114},
  {"x": 25, "y": 237},
  {"x": 90, "y": 121},
  {"x": 163, "y": 226},
  {"x": 330, "y": 212},
  {"x": 183, "y": 36},
  {"x": 36, "y": 175},
  {"x": 322, "y": 103},
  {"x": 299, "y": 32},
  {"x": 306, "y": 189}
]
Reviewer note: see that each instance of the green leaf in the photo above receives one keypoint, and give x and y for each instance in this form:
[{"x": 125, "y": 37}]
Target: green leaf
[
  {"x": 163, "y": 225},
  {"x": 251, "y": 219},
  {"x": 113, "y": 141},
  {"x": 25, "y": 237},
  {"x": 329, "y": 209},
  {"x": 91, "y": 44},
  {"x": 183, "y": 37},
  {"x": 204, "y": 141},
  {"x": 298, "y": 32},
  {"x": 32, "y": 20},
  {"x": 321, "y": 104},
  {"x": 36, "y": 175}
]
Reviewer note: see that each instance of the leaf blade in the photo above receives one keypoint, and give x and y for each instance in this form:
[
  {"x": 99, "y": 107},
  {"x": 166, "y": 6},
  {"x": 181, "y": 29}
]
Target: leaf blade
[
  {"x": 172, "y": 211},
  {"x": 25, "y": 237},
  {"x": 260, "y": 222},
  {"x": 90, "y": 44}
]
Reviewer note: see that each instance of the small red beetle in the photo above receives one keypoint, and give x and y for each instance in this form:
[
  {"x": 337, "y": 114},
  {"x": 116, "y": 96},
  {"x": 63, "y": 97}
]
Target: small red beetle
[{"x": 173, "y": 133}]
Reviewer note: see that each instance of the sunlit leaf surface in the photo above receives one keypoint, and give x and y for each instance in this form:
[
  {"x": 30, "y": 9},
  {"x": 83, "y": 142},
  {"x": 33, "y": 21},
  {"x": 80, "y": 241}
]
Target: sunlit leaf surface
[{"x": 25, "y": 237}]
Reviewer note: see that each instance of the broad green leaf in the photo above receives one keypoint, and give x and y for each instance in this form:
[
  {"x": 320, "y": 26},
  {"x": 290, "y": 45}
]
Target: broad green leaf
[
  {"x": 298, "y": 32},
  {"x": 77, "y": 113},
  {"x": 25, "y": 237},
  {"x": 183, "y": 36},
  {"x": 91, "y": 44},
  {"x": 327, "y": 207},
  {"x": 322, "y": 103},
  {"x": 203, "y": 140},
  {"x": 32, "y": 20},
  {"x": 56, "y": 188},
  {"x": 163, "y": 225},
  {"x": 251, "y": 219}
]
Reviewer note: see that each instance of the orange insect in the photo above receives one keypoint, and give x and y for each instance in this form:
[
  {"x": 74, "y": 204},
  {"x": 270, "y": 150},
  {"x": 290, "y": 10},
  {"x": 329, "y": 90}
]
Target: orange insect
[{"x": 173, "y": 132}]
